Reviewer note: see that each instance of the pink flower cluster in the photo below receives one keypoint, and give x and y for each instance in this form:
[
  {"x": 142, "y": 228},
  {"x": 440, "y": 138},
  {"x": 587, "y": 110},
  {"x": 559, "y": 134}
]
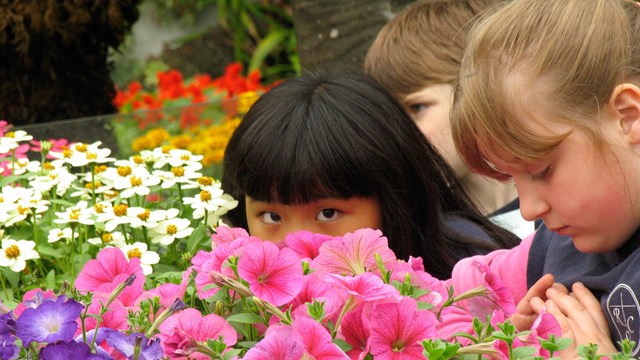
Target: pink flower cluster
[{"x": 315, "y": 291}]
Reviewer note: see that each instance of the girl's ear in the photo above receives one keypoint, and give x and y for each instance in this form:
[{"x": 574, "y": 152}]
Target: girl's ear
[{"x": 626, "y": 100}]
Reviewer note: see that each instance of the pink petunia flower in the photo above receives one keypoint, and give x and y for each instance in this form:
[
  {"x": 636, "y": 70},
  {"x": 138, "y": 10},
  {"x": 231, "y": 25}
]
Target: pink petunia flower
[
  {"x": 180, "y": 332},
  {"x": 316, "y": 340},
  {"x": 280, "y": 342},
  {"x": 273, "y": 275},
  {"x": 169, "y": 292},
  {"x": 315, "y": 288},
  {"x": 397, "y": 329},
  {"x": 116, "y": 316},
  {"x": 496, "y": 297},
  {"x": 545, "y": 325},
  {"x": 436, "y": 289},
  {"x": 365, "y": 287},
  {"x": 109, "y": 263},
  {"x": 226, "y": 234},
  {"x": 356, "y": 332},
  {"x": 354, "y": 253},
  {"x": 32, "y": 298},
  {"x": 4, "y": 127},
  {"x": 305, "y": 243},
  {"x": 206, "y": 262}
]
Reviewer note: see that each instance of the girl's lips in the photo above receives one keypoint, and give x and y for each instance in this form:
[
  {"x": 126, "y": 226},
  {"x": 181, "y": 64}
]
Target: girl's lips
[{"x": 560, "y": 230}]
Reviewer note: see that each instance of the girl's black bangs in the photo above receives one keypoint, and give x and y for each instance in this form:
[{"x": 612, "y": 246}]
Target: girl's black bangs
[{"x": 304, "y": 166}]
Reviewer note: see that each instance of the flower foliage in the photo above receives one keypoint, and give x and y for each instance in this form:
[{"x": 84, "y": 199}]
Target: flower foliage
[
  {"x": 131, "y": 279},
  {"x": 197, "y": 114}
]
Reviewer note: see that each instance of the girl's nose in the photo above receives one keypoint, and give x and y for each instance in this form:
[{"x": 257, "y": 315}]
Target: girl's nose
[{"x": 533, "y": 205}]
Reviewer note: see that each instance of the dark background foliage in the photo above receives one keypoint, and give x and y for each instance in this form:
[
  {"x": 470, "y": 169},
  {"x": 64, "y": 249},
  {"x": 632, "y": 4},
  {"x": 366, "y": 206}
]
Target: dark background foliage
[{"x": 53, "y": 55}]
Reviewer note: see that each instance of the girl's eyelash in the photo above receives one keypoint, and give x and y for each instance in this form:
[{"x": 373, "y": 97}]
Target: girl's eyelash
[{"x": 543, "y": 174}]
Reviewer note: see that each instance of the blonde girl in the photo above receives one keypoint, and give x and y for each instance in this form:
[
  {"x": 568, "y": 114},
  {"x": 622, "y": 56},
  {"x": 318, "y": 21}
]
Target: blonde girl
[{"x": 549, "y": 97}]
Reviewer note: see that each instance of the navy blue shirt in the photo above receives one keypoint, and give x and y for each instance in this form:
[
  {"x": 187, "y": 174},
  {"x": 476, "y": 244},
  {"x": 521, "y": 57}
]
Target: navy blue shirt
[{"x": 613, "y": 277}]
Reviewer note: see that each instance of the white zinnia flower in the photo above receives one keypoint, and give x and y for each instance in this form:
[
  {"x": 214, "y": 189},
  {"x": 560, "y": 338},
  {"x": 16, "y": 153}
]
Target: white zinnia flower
[
  {"x": 15, "y": 254},
  {"x": 56, "y": 234},
  {"x": 75, "y": 214},
  {"x": 11, "y": 140},
  {"x": 169, "y": 230},
  {"x": 139, "y": 250},
  {"x": 115, "y": 238}
]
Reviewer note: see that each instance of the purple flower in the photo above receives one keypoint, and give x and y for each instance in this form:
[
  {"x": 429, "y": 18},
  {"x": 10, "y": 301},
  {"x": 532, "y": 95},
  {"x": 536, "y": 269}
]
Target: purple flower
[
  {"x": 7, "y": 324},
  {"x": 51, "y": 321},
  {"x": 8, "y": 349},
  {"x": 149, "y": 349},
  {"x": 68, "y": 350}
]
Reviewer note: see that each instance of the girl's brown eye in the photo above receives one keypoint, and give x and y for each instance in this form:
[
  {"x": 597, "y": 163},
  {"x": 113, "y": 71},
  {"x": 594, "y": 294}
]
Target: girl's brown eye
[
  {"x": 327, "y": 214},
  {"x": 269, "y": 217}
]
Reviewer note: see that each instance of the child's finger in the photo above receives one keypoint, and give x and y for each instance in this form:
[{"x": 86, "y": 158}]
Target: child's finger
[
  {"x": 565, "y": 328},
  {"x": 582, "y": 322},
  {"x": 563, "y": 289},
  {"x": 537, "y": 290},
  {"x": 592, "y": 304},
  {"x": 526, "y": 313}
]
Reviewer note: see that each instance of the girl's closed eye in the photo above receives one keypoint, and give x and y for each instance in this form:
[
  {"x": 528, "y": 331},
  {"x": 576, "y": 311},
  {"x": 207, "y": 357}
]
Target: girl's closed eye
[
  {"x": 270, "y": 217},
  {"x": 417, "y": 108},
  {"x": 543, "y": 174},
  {"x": 328, "y": 215}
]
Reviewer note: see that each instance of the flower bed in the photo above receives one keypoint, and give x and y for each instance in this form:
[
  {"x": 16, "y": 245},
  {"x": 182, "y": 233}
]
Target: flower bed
[
  {"x": 197, "y": 114},
  {"x": 125, "y": 258}
]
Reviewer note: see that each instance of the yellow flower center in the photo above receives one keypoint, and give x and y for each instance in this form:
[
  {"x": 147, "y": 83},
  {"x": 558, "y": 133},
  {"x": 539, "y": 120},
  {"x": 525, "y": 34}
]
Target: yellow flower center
[
  {"x": 100, "y": 168},
  {"x": 205, "y": 180},
  {"x": 185, "y": 157},
  {"x": 23, "y": 210},
  {"x": 81, "y": 147},
  {"x": 75, "y": 214},
  {"x": 95, "y": 185},
  {"x": 205, "y": 195},
  {"x": 135, "y": 181},
  {"x": 53, "y": 175},
  {"x": 145, "y": 215},
  {"x": 67, "y": 153},
  {"x": 12, "y": 252},
  {"x": 167, "y": 148},
  {"x": 177, "y": 171},
  {"x": 92, "y": 156},
  {"x": 124, "y": 170},
  {"x": 10, "y": 134},
  {"x": 138, "y": 160},
  {"x": 47, "y": 166},
  {"x": 99, "y": 208},
  {"x": 107, "y": 238},
  {"x": 171, "y": 229},
  {"x": 135, "y": 252},
  {"x": 120, "y": 209}
]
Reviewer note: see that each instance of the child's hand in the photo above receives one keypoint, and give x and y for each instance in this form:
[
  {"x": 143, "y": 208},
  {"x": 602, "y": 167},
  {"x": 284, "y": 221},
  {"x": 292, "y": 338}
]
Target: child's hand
[
  {"x": 581, "y": 319},
  {"x": 529, "y": 307}
]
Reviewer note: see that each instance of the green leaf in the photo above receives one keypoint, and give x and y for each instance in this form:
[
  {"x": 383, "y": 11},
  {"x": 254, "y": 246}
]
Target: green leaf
[
  {"x": 245, "y": 318},
  {"x": 199, "y": 239},
  {"x": 266, "y": 47},
  {"x": 231, "y": 354},
  {"x": 50, "y": 280},
  {"x": 523, "y": 351},
  {"x": 12, "y": 277},
  {"x": 247, "y": 344},
  {"x": 343, "y": 345},
  {"x": 49, "y": 251}
]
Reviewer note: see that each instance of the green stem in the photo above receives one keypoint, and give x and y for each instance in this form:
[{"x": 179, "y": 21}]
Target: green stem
[{"x": 4, "y": 287}]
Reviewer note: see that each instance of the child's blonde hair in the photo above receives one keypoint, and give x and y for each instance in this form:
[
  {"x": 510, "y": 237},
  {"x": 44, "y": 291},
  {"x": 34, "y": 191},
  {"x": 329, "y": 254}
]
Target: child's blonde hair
[
  {"x": 572, "y": 53},
  {"x": 422, "y": 46}
]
